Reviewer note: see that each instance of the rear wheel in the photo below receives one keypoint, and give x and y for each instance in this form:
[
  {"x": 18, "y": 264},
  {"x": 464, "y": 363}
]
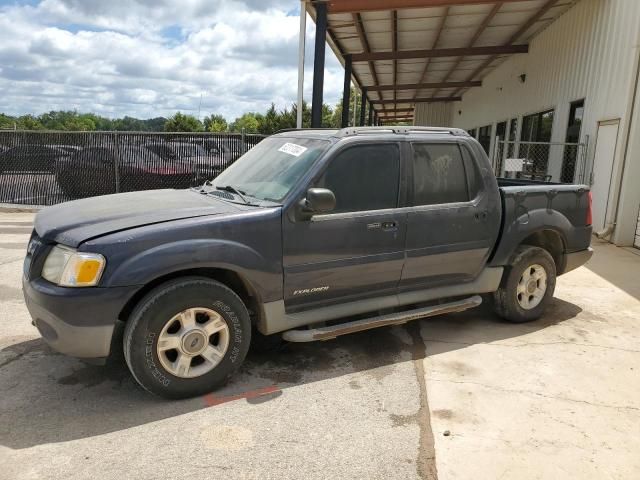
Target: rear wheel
[
  {"x": 527, "y": 285},
  {"x": 187, "y": 337}
]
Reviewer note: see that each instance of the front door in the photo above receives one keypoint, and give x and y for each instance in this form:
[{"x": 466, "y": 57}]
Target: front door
[
  {"x": 454, "y": 220},
  {"x": 357, "y": 250}
]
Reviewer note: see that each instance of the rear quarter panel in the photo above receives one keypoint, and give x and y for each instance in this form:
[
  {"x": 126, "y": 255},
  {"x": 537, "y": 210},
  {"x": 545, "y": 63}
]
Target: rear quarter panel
[{"x": 532, "y": 208}]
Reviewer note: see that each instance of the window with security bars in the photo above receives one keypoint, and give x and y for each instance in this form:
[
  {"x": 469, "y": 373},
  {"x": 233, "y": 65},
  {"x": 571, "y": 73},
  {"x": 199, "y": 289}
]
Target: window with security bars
[
  {"x": 484, "y": 137},
  {"x": 536, "y": 128},
  {"x": 576, "y": 112}
]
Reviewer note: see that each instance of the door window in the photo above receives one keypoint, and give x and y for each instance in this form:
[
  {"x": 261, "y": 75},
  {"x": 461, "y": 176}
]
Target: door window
[
  {"x": 364, "y": 177},
  {"x": 438, "y": 174}
]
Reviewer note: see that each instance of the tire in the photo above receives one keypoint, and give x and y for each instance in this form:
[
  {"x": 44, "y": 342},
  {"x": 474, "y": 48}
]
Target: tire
[
  {"x": 520, "y": 302},
  {"x": 179, "y": 315}
]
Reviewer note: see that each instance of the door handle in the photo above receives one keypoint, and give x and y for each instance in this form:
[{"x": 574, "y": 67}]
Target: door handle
[
  {"x": 386, "y": 226},
  {"x": 391, "y": 225}
]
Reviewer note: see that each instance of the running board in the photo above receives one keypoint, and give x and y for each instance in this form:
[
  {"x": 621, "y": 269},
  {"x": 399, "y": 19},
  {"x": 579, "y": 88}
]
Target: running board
[{"x": 333, "y": 331}]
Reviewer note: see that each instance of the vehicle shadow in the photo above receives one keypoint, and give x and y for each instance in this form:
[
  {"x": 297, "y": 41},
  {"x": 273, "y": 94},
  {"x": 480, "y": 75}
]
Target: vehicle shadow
[{"x": 49, "y": 398}]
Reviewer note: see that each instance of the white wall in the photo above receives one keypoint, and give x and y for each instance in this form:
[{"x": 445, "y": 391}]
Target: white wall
[{"x": 590, "y": 52}]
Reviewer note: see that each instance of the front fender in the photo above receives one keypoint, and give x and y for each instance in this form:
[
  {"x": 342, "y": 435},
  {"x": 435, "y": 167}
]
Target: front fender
[{"x": 264, "y": 276}]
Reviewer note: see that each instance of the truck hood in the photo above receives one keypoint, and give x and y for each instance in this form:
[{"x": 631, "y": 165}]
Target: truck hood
[{"x": 75, "y": 222}]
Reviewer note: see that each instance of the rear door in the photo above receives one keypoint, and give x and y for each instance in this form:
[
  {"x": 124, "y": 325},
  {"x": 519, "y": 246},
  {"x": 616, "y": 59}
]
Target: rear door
[
  {"x": 450, "y": 228},
  {"x": 357, "y": 250}
]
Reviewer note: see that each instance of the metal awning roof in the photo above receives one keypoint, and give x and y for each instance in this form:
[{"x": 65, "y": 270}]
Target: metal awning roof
[{"x": 409, "y": 51}]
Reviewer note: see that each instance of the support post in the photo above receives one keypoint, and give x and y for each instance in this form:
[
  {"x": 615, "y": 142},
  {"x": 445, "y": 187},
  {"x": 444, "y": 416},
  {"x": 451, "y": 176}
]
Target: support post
[
  {"x": 346, "y": 91},
  {"x": 355, "y": 107},
  {"x": 370, "y": 121},
  {"x": 318, "y": 64},
  {"x": 363, "y": 106},
  {"x": 301, "y": 43}
]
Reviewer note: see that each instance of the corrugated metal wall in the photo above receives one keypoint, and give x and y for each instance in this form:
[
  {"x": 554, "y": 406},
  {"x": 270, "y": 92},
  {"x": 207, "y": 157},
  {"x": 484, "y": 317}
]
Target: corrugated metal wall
[
  {"x": 433, "y": 114},
  {"x": 590, "y": 52}
]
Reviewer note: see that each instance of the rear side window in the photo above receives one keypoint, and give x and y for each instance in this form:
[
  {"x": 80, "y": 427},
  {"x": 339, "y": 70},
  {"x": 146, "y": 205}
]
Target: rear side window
[
  {"x": 438, "y": 174},
  {"x": 364, "y": 177}
]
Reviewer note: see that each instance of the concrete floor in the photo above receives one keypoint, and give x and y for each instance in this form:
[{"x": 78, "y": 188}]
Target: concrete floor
[{"x": 558, "y": 398}]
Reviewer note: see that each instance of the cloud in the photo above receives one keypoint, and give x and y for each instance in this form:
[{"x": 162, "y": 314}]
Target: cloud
[{"x": 148, "y": 58}]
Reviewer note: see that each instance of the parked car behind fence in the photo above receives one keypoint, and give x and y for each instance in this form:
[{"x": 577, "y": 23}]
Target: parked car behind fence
[{"x": 45, "y": 168}]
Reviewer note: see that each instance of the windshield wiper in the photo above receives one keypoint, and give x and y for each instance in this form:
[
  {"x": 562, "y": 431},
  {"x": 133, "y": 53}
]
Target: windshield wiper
[{"x": 232, "y": 189}]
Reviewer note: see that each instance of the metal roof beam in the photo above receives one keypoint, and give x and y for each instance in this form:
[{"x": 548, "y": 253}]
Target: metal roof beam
[
  {"x": 365, "y": 45},
  {"x": 351, "y": 6},
  {"x": 394, "y": 46},
  {"x": 395, "y": 119},
  {"x": 440, "y": 52},
  {"x": 411, "y": 86},
  {"x": 525, "y": 26},
  {"x": 397, "y": 110},
  {"x": 434, "y": 45},
  {"x": 417, "y": 100},
  {"x": 483, "y": 26}
]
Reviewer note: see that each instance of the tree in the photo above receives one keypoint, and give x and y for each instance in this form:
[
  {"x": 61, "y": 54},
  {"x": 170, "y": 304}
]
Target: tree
[
  {"x": 270, "y": 121},
  {"x": 29, "y": 122},
  {"x": 183, "y": 123},
  {"x": 7, "y": 122},
  {"x": 215, "y": 123},
  {"x": 249, "y": 122}
]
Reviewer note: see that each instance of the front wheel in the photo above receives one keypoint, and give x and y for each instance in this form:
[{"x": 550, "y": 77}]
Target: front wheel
[
  {"x": 527, "y": 286},
  {"x": 187, "y": 337}
]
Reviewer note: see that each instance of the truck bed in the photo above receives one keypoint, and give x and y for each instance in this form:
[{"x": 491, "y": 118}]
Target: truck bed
[{"x": 531, "y": 205}]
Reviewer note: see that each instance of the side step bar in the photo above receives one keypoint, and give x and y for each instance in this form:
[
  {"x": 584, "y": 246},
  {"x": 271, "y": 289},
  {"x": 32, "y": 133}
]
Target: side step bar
[{"x": 333, "y": 331}]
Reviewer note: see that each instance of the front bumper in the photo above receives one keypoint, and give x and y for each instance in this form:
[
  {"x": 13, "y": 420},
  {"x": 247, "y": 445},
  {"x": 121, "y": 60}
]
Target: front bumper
[
  {"x": 577, "y": 259},
  {"x": 75, "y": 321}
]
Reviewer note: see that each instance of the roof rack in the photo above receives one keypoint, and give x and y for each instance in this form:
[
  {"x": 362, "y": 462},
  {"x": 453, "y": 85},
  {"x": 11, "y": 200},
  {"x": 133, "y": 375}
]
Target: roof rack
[
  {"x": 400, "y": 130},
  {"x": 285, "y": 130}
]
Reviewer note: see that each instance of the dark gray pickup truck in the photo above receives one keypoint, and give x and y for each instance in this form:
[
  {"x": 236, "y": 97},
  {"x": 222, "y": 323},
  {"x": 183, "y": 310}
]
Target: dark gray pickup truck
[{"x": 310, "y": 235}]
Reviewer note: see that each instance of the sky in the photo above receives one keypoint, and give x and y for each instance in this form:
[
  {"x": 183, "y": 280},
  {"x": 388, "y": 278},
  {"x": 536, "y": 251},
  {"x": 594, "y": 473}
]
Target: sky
[{"x": 150, "y": 58}]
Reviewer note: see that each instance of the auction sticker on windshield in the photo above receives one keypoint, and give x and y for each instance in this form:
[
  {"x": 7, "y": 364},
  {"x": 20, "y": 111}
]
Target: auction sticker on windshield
[{"x": 292, "y": 149}]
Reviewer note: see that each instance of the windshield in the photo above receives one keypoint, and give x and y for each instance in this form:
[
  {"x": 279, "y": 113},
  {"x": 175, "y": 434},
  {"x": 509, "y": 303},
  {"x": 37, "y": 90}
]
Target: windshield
[{"x": 272, "y": 168}]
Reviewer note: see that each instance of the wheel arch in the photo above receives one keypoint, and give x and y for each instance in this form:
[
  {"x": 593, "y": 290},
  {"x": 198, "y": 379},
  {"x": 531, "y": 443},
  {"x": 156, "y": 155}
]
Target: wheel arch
[
  {"x": 240, "y": 285},
  {"x": 552, "y": 241}
]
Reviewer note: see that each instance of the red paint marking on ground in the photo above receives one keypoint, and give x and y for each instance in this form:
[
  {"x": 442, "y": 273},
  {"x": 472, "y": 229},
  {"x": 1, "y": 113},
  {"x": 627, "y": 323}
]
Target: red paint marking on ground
[{"x": 212, "y": 400}]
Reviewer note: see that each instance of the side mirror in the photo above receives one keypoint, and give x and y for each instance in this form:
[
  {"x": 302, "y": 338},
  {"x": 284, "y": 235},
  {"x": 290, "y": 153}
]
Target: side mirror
[{"x": 318, "y": 200}]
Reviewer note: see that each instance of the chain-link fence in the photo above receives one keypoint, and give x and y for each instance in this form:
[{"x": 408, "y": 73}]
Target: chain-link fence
[
  {"x": 44, "y": 168},
  {"x": 543, "y": 161}
]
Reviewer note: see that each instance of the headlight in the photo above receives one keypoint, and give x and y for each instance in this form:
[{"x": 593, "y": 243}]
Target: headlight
[{"x": 68, "y": 268}]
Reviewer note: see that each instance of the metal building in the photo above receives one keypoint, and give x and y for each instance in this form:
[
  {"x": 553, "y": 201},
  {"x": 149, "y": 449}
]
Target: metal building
[{"x": 549, "y": 87}]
